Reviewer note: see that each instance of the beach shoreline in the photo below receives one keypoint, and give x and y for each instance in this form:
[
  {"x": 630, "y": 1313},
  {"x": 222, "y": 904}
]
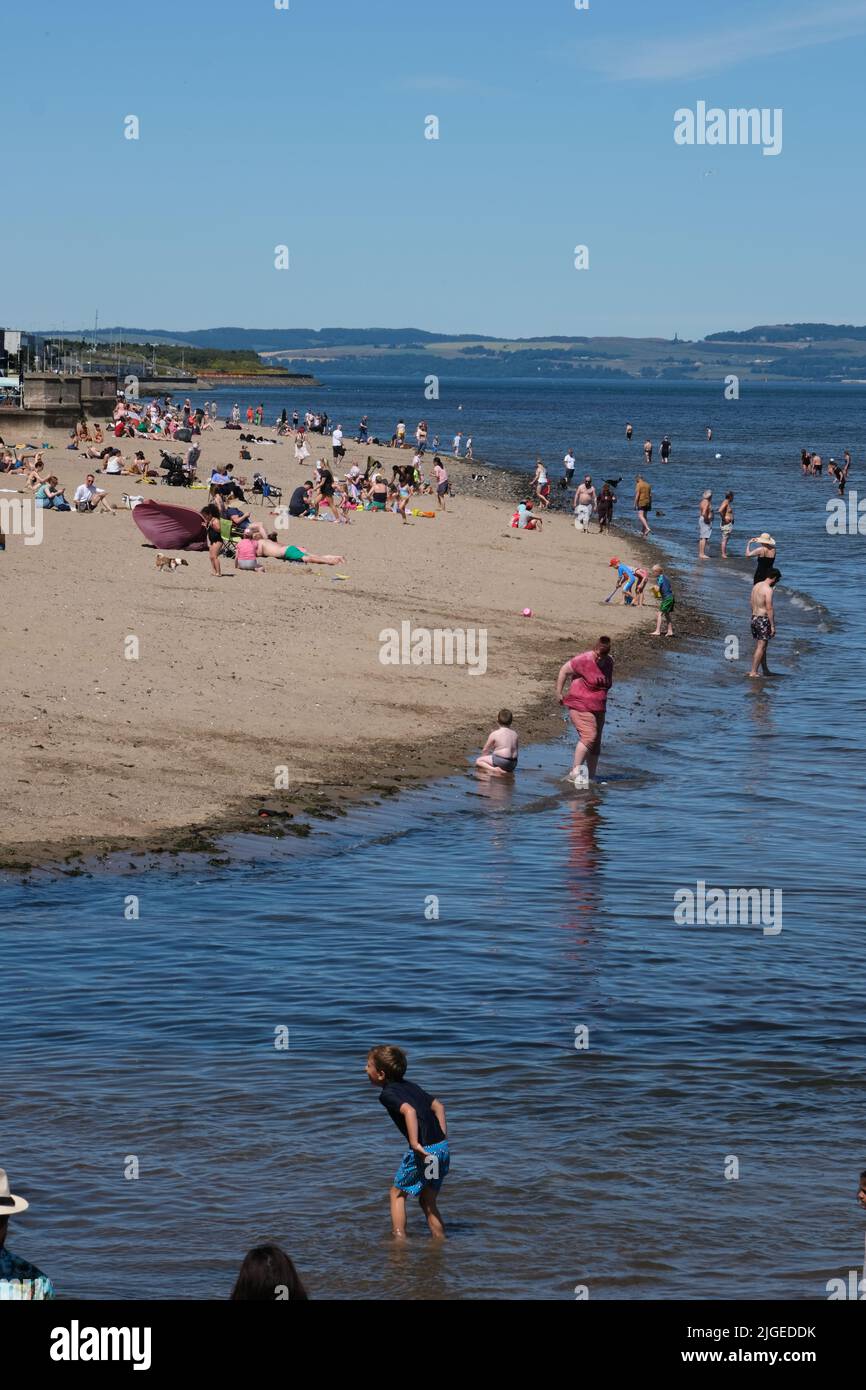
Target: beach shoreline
[{"x": 259, "y": 680}]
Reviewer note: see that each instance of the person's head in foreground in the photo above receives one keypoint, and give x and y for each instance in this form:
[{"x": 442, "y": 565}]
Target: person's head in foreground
[
  {"x": 268, "y": 1275},
  {"x": 10, "y": 1205},
  {"x": 602, "y": 649},
  {"x": 861, "y": 1190},
  {"x": 386, "y": 1064},
  {"x": 657, "y": 569},
  {"x": 20, "y": 1281},
  {"x": 505, "y": 717},
  {"x": 774, "y": 576}
]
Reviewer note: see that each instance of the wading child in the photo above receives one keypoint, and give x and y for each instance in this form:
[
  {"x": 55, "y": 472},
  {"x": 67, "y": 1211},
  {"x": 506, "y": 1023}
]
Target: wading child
[
  {"x": 499, "y": 754},
  {"x": 421, "y": 1119},
  {"x": 666, "y": 602}
]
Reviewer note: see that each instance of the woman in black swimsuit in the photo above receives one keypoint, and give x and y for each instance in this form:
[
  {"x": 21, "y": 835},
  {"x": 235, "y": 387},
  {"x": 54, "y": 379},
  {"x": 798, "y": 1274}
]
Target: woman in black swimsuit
[
  {"x": 210, "y": 520},
  {"x": 766, "y": 552}
]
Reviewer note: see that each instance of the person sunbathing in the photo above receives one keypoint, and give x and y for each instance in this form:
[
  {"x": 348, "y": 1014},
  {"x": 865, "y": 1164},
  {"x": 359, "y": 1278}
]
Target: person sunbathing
[
  {"x": 276, "y": 551},
  {"x": 32, "y": 477}
]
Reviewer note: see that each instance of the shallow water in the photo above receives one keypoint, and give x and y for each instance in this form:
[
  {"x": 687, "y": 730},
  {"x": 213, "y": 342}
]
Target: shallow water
[{"x": 603, "y": 1166}]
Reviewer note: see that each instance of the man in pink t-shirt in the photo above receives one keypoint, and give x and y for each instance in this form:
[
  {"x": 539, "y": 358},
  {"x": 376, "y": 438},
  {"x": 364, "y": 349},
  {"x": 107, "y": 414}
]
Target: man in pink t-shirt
[{"x": 591, "y": 676}]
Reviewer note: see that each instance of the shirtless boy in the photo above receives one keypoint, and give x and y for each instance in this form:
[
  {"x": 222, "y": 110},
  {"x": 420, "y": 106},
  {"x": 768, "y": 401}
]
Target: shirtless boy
[
  {"x": 499, "y": 754},
  {"x": 763, "y": 621}
]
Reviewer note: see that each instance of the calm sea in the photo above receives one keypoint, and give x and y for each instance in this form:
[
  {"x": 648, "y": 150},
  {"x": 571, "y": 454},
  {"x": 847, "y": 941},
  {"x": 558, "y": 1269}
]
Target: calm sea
[{"x": 704, "y": 1136}]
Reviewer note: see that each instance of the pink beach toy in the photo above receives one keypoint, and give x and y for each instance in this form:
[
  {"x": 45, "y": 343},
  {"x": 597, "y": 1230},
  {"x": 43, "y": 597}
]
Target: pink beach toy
[{"x": 527, "y": 612}]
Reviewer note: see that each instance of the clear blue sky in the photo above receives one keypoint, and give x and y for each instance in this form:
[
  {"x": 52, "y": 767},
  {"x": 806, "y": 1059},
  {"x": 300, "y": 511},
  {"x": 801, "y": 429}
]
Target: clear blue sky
[{"x": 306, "y": 127}]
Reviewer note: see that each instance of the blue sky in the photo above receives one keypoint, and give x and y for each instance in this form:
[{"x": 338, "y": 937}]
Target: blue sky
[{"x": 305, "y": 127}]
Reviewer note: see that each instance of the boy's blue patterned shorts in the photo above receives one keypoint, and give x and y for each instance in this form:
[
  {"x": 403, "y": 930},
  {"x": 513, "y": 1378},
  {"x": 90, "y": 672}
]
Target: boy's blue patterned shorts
[{"x": 416, "y": 1173}]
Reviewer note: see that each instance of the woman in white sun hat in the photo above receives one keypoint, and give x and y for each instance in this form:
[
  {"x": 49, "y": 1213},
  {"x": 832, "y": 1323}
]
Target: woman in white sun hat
[{"x": 19, "y": 1280}]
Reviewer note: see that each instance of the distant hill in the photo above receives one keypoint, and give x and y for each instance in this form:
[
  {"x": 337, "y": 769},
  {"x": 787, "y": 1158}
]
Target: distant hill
[
  {"x": 792, "y": 333},
  {"x": 769, "y": 352}
]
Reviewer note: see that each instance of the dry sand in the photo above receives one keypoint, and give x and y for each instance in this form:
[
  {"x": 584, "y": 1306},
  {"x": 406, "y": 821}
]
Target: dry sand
[{"x": 241, "y": 676}]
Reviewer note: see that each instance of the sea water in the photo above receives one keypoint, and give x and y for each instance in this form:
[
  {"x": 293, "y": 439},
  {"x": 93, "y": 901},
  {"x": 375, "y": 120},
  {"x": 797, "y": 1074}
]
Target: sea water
[{"x": 639, "y": 1107}]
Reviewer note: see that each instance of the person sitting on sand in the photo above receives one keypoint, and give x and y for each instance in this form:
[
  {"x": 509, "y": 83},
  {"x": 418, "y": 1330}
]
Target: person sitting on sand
[
  {"x": 246, "y": 554},
  {"x": 90, "y": 498},
  {"x": 499, "y": 754},
  {"x": 378, "y": 495},
  {"x": 52, "y": 495},
  {"x": 299, "y": 502},
  {"x": 32, "y": 477},
  {"x": 526, "y": 521}
]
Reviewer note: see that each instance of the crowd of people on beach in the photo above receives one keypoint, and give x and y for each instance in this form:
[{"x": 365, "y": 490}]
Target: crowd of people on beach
[{"x": 335, "y": 492}]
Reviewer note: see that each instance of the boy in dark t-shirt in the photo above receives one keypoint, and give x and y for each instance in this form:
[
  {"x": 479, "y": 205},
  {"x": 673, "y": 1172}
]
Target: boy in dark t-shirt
[{"x": 421, "y": 1119}]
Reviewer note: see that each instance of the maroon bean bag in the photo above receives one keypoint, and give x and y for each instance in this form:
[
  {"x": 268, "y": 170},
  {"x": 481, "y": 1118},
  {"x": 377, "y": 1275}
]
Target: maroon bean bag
[{"x": 168, "y": 527}]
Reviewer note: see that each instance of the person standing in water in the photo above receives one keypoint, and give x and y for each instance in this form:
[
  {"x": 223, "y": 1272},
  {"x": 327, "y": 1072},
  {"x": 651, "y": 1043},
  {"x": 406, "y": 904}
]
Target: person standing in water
[
  {"x": 709, "y": 434},
  {"x": 665, "y": 449},
  {"x": 705, "y": 524},
  {"x": 628, "y": 431},
  {"x": 726, "y": 521},
  {"x": 643, "y": 501},
  {"x": 763, "y": 621},
  {"x": 591, "y": 676},
  {"x": 765, "y": 552},
  {"x": 420, "y": 1118},
  {"x": 648, "y": 452}
]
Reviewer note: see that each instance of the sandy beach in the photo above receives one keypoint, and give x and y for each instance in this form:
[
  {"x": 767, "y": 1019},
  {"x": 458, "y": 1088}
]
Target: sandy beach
[{"x": 249, "y": 681}]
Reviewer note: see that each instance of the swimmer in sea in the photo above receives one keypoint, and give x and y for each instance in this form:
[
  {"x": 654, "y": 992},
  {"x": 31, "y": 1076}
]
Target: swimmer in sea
[
  {"x": 499, "y": 754},
  {"x": 763, "y": 621}
]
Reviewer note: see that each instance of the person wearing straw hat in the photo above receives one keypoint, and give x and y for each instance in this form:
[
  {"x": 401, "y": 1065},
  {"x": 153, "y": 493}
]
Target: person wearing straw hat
[
  {"x": 765, "y": 550},
  {"x": 19, "y": 1280}
]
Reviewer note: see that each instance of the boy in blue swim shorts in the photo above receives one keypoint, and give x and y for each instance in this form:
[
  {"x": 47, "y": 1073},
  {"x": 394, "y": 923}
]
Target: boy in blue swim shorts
[{"x": 421, "y": 1120}]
